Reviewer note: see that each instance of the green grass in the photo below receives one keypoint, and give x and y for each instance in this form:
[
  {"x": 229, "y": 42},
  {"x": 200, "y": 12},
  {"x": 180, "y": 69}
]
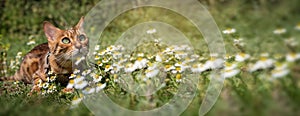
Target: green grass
[{"x": 242, "y": 95}]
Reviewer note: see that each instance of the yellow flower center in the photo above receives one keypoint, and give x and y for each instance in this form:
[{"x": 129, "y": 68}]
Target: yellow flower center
[
  {"x": 71, "y": 81},
  {"x": 243, "y": 54},
  {"x": 107, "y": 66},
  {"x": 293, "y": 55},
  {"x": 139, "y": 59},
  {"x": 178, "y": 76},
  {"x": 167, "y": 66},
  {"x": 178, "y": 68},
  {"x": 263, "y": 58}
]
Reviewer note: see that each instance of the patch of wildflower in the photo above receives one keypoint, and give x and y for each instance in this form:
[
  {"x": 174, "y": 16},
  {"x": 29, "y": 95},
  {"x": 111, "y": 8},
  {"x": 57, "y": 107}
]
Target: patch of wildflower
[
  {"x": 15, "y": 63},
  {"x": 264, "y": 62},
  {"x": 174, "y": 61},
  {"x": 230, "y": 70},
  {"x": 292, "y": 57},
  {"x": 229, "y": 31},
  {"x": 241, "y": 57},
  {"x": 280, "y": 70},
  {"x": 31, "y": 41},
  {"x": 279, "y": 31}
]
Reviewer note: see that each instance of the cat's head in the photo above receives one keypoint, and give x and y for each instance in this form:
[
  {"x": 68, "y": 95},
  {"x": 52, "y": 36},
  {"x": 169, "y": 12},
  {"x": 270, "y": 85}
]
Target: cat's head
[{"x": 67, "y": 44}]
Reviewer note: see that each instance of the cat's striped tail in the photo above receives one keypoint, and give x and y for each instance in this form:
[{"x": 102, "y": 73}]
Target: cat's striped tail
[{"x": 10, "y": 78}]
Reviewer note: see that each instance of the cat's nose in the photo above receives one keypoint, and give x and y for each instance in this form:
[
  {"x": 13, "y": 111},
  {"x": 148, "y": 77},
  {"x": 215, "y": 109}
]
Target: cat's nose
[{"x": 78, "y": 45}]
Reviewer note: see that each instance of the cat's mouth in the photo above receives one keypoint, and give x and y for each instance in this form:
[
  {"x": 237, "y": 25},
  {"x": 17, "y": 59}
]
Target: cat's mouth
[{"x": 77, "y": 53}]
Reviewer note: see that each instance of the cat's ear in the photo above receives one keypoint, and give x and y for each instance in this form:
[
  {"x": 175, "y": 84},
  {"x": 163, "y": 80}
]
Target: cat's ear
[
  {"x": 51, "y": 31},
  {"x": 79, "y": 25}
]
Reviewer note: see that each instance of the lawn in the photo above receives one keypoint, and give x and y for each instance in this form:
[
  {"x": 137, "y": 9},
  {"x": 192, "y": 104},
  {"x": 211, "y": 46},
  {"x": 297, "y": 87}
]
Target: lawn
[{"x": 262, "y": 58}]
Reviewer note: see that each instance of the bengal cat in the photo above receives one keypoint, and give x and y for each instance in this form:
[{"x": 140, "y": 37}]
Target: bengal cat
[{"x": 57, "y": 55}]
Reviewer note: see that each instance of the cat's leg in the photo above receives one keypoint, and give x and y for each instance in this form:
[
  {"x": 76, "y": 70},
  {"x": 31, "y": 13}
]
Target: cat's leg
[{"x": 38, "y": 79}]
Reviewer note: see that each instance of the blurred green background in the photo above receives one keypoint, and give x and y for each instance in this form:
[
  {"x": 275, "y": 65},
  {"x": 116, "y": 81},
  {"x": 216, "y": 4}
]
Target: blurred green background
[{"x": 254, "y": 21}]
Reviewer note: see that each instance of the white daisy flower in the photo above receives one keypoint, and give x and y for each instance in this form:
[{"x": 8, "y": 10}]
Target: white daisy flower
[
  {"x": 19, "y": 55},
  {"x": 263, "y": 63},
  {"x": 116, "y": 68},
  {"x": 108, "y": 68},
  {"x": 88, "y": 90},
  {"x": 151, "y": 31},
  {"x": 241, "y": 57},
  {"x": 178, "y": 48},
  {"x": 188, "y": 60},
  {"x": 94, "y": 53},
  {"x": 86, "y": 72},
  {"x": 97, "y": 47},
  {"x": 105, "y": 60},
  {"x": 291, "y": 42},
  {"x": 280, "y": 70},
  {"x": 76, "y": 101},
  {"x": 140, "y": 63},
  {"x": 97, "y": 57},
  {"x": 279, "y": 31},
  {"x": 97, "y": 78},
  {"x": 195, "y": 56},
  {"x": 291, "y": 57},
  {"x": 229, "y": 31},
  {"x": 157, "y": 40},
  {"x": 117, "y": 55},
  {"x": 120, "y": 48},
  {"x": 110, "y": 48},
  {"x": 81, "y": 84},
  {"x": 129, "y": 68},
  {"x": 198, "y": 68},
  {"x": 102, "y": 53},
  {"x": 230, "y": 73},
  {"x": 169, "y": 51},
  {"x": 169, "y": 68},
  {"x": 230, "y": 70},
  {"x": 239, "y": 42},
  {"x": 280, "y": 73},
  {"x": 31, "y": 42},
  {"x": 227, "y": 56},
  {"x": 140, "y": 55},
  {"x": 264, "y": 55},
  {"x": 181, "y": 55},
  {"x": 70, "y": 84},
  {"x": 72, "y": 76},
  {"x": 76, "y": 71},
  {"x": 214, "y": 63},
  {"x": 78, "y": 79},
  {"x": 180, "y": 67},
  {"x": 230, "y": 66},
  {"x": 12, "y": 63},
  {"x": 151, "y": 73},
  {"x": 158, "y": 58},
  {"x": 100, "y": 86},
  {"x": 178, "y": 77}
]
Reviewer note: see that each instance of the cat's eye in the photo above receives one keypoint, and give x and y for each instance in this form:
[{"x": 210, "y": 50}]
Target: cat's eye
[
  {"x": 81, "y": 37},
  {"x": 66, "y": 40}
]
